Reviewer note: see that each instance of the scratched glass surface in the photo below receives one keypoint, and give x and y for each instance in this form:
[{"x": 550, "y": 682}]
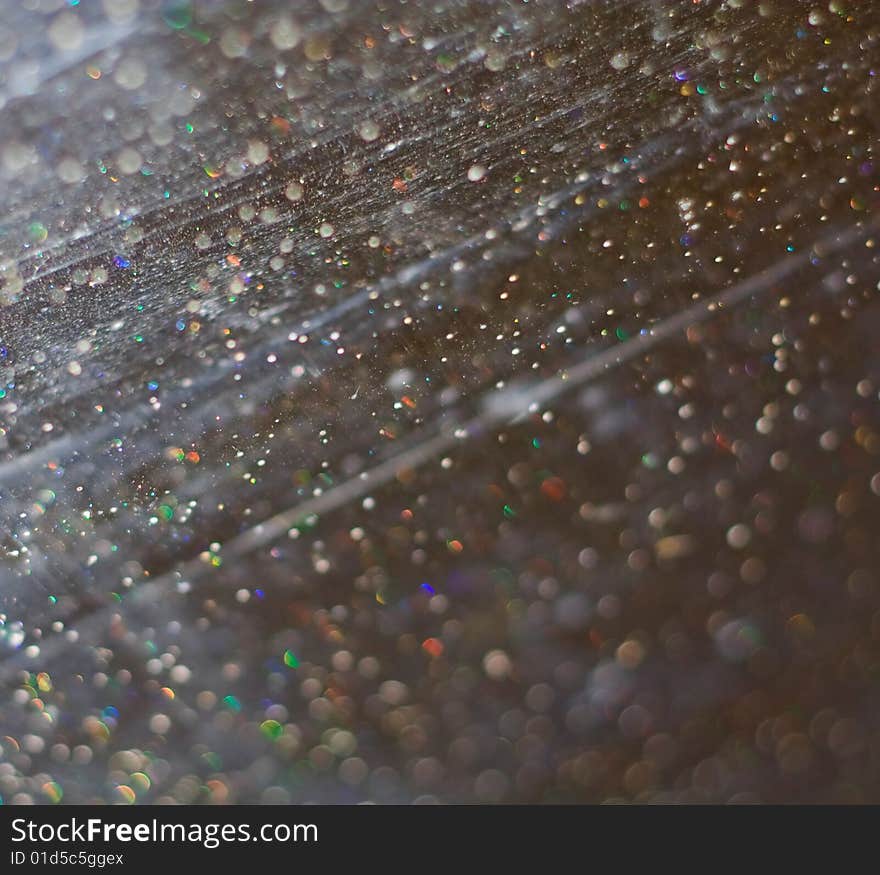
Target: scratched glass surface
[{"x": 439, "y": 401}]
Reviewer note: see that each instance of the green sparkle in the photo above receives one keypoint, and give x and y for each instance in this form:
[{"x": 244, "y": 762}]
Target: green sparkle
[
  {"x": 271, "y": 729},
  {"x": 177, "y": 14},
  {"x": 38, "y": 232}
]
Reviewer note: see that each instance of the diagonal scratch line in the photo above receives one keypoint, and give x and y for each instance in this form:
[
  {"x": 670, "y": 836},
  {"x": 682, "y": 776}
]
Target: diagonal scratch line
[
  {"x": 513, "y": 403},
  {"x": 497, "y": 409}
]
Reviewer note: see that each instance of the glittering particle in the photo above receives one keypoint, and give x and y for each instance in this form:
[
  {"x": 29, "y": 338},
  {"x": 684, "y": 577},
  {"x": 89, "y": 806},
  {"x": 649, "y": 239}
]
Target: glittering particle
[
  {"x": 129, "y": 161},
  {"x": 177, "y": 13},
  {"x": 497, "y": 665},
  {"x": 285, "y": 33},
  {"x": 258, "y": 152},
  {"x": 38, "y": 232},
  {"x": 234, "y": 42},
  {"x": 368, "y": 130},
  {"x": 553, "y": 488},
  {"x": 53, "y": 792},
  {"x": 433, "y": 647},
  {"x": 130, "y": 73},
  {"x": 125, "y": 794},
  {"x": 70, "y": 171},
  {"x": 66, "y": 31},
  {"x": 271, "y": 729},
  {"x": 738, "y": 536},
  {"x": 294, "y": 191}
]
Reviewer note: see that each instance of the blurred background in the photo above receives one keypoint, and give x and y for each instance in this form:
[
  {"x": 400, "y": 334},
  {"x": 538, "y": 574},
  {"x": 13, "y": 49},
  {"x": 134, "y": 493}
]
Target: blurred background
[{"x": 441, "y": 401}]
